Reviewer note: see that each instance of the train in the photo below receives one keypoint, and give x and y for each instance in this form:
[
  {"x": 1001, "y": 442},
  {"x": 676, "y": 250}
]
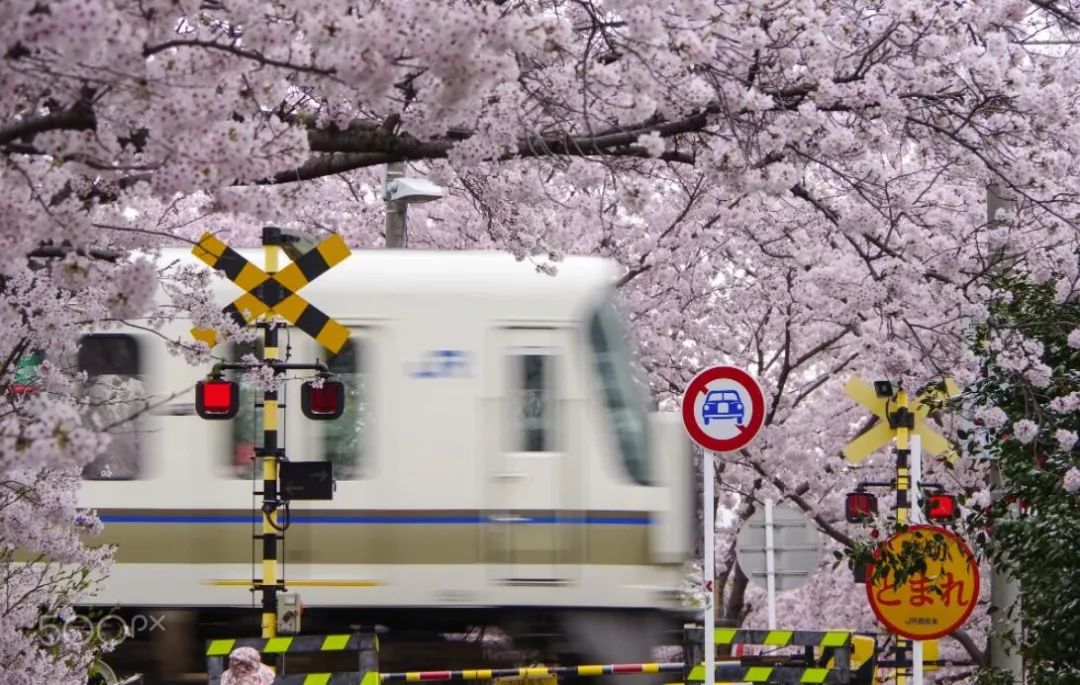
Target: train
[{"x": 497, "y": 463}]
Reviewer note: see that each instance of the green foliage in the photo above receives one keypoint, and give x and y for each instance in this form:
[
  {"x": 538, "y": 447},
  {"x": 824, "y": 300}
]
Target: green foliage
[
  {"x": 1032, "y": 530},
  {"x": 994, "y": 676}
]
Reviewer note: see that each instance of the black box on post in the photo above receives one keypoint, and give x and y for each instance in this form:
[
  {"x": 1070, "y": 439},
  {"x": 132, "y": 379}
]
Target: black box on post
[{"x": 307, "y": 479}]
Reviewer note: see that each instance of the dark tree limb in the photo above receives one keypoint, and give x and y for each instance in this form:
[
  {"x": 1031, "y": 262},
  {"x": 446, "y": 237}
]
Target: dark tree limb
[
  {"x": 76, "y": 117},
  {"x": 239, "y": 52},
  {"x": 58, "y": 252},
  {"x": 976, "y": 654},
  {"x": 1051, "y": 6}
]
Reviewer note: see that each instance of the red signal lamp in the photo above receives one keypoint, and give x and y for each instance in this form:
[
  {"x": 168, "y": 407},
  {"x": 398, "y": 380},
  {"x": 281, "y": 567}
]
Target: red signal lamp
[
  {"x": 216, "y": 399},
  {"x": 859, "y": 506},
  {"x": 323, "y": 403},
  {"x": 942, "y": 507}
]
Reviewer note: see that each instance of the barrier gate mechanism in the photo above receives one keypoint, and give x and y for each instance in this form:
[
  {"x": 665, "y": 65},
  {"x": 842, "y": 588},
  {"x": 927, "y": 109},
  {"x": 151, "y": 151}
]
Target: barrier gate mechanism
[
  {"x": 364, "y": 644},
  {"x": 832, "y": 666}
]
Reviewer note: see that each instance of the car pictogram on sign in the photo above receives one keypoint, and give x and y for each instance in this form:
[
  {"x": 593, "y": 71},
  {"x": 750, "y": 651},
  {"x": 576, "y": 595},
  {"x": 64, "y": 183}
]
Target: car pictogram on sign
[
  {"x": 723, "y": 408},
  {"x": 723, "y": 404}
]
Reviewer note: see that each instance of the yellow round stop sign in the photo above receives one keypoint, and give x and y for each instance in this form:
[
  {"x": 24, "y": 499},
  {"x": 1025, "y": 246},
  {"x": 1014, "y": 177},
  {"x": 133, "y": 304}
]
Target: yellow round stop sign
[{"x": 938, "y": 585}]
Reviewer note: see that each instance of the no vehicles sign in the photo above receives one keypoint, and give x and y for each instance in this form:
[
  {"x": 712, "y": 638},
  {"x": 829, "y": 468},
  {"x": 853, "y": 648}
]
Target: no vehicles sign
[{"x": 723, "y": 409}]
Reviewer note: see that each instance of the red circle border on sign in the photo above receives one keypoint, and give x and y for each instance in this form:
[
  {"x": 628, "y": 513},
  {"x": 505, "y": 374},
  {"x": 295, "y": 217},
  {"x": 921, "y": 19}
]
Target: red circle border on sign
[
  {"x": 757, "y": 402},
  {"x": 971, "y": 607}
]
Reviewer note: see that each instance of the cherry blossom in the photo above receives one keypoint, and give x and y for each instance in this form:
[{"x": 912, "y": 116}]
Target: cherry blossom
[
  {"x": 798, "y": 189},
  {"x": 1071, "y": 482}
]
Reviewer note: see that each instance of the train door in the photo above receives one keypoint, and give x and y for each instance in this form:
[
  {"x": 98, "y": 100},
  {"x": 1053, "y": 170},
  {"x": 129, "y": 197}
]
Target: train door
[{"x": 529, "y": 472}]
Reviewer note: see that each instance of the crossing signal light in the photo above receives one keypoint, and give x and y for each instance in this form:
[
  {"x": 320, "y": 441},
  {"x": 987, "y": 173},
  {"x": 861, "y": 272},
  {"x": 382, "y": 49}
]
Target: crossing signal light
[
  {"x": 942, "y": 507},
  {"x": 323, "y": 403},
  {"x": 216, "y": 399},
  {"x": 859, "y": 506}
]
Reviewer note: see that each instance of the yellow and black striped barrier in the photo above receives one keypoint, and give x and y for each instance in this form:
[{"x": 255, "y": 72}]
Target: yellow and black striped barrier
[
  {"x": 773, "y": 638},
  {"x": 826, "y": 655},
  {"x": 350, "y": 678},
  {"x": 346, "y": 642},
  {"x": 737, "y": 673},
  {"x": 265, "y": 293},
  {"x": 365, "y": 645},
  {"x": 528, "y": 672}
]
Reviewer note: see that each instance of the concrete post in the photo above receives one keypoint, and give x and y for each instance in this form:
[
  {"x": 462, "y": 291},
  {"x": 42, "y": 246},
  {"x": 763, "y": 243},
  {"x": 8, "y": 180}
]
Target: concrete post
[{"x": 1004, "y": 591}]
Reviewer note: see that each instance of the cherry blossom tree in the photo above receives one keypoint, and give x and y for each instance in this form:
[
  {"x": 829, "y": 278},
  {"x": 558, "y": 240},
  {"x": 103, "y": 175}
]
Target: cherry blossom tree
[{"x": 795, "y": 187}]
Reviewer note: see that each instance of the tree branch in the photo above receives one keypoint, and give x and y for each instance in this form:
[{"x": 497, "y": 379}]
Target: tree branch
[
  {"x": 239, "y": 52},
  {"x": 977, "y": 655},
  {"x": 327, "y": 165},
  {"x": 77, "y": 117},
  {"x": 1051, "y": 7},
  {"x": 57, "y": 252}
]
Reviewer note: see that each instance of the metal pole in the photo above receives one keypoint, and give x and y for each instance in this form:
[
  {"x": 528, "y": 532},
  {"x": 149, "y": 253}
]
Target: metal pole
[
  {"x": 271, "y": 240},
  {"x": 770, "y": 568},
  {"x": 916, "y": 517},
  {"x": 708, "y": 572},
  {"x": 1004, "y": 590},
  {"x": 902, "y": 505},
  {"x": 395, "y": 211}
]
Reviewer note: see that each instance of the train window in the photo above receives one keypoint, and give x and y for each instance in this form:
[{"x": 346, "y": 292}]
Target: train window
[
  {"x": 247, "y": 426},
  {"x": 534, "y": 407},
  {"x": 114, "y": 396},
  {"x": 626, "y": 410},
  {"x": 343, "y": 438}
]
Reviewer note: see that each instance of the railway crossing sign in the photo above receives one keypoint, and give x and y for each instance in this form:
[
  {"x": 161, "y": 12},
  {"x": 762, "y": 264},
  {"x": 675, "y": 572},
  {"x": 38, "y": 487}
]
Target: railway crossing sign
[
  {"x": 882, "y": 432},
  {"x": 265, "y": 293},
  {"x": 930, "y": 604},
  {"x": 723, "y": 409}
]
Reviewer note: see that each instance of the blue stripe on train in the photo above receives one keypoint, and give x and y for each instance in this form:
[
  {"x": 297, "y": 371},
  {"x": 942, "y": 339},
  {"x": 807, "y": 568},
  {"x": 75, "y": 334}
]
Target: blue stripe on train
[{"x": 396, "y": 520}]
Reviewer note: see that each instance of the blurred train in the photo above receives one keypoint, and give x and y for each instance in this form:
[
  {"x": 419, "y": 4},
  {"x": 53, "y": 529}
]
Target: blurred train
[{"x": 497, "y": 464}]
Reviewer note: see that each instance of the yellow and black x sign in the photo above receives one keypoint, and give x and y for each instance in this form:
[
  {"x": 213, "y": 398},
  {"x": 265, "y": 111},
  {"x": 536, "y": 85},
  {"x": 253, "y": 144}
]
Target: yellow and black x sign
[
  {"x": 881, "y": 433},
  {"x": 265, "y": 293}
]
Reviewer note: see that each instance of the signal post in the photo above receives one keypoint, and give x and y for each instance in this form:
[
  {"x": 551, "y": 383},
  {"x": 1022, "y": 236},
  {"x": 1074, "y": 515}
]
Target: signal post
[
  {"x": 269, "y": 293},
  {"x": 921, "y": 618}
]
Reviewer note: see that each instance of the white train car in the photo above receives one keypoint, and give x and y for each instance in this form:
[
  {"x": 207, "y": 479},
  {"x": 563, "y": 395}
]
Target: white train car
[{"x": 497, "y": 462}]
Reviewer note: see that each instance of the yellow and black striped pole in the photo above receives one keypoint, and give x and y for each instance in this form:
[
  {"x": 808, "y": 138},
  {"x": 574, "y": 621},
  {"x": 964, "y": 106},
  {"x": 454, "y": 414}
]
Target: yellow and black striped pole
[
  {"x": 902, "y": 421},
  {"x": 271, "y": 240}
]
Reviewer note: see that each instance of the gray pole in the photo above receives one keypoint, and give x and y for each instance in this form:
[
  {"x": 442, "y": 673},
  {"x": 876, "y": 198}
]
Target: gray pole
[
  {"x": 1004, "y": 591},
  {"x": 395, "y": 211}
]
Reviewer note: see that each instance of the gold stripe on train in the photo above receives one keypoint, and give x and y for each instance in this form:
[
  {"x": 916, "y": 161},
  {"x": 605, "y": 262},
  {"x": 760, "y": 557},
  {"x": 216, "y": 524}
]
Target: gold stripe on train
[{"x": 424, "y": 542}]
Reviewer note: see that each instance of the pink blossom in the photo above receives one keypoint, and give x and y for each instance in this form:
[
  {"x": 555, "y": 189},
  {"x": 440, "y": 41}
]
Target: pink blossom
[
  {"x": 1025, "y": 431},
  {"x": 819, "y": 212},
  {"x": 992, "y": 417},
  {"x": 1066, "y": 439},
  {"x": 1071, "y": 482}
]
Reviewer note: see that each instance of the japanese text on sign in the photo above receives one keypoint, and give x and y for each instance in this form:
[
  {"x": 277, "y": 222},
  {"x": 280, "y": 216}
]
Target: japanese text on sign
[{"x": 930, "y": 604}]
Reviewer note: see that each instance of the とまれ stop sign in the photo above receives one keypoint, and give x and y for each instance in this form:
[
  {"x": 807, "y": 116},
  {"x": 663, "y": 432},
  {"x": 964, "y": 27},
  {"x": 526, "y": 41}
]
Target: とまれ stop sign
[
  {"x": 723, "y": 409},
  {"x": 930, "y": 604}
]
